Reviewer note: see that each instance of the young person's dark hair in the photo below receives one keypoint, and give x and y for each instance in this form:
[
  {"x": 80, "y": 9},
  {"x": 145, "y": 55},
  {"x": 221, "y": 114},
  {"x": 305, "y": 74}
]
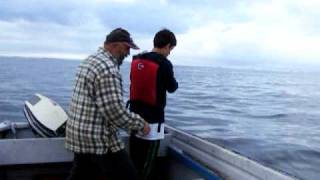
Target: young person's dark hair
[{"x": 163, "y": 38}]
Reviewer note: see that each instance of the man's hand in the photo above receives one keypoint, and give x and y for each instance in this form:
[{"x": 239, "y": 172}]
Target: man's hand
[{"x": 146, "y": 128}]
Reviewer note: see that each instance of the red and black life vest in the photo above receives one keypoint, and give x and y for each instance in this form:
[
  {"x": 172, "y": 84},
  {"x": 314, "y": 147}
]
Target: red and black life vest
[
  {"x": 143, "y": 77},
  {"x": 151, "y": 77}
]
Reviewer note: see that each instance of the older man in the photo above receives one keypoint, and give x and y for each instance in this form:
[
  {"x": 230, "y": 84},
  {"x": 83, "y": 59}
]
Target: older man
[{"x": 97, "y": 111}]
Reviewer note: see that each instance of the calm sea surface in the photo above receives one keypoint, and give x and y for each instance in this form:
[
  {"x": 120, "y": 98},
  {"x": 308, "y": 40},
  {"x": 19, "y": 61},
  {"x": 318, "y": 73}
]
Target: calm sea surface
[{"x": 270, "y": 116}]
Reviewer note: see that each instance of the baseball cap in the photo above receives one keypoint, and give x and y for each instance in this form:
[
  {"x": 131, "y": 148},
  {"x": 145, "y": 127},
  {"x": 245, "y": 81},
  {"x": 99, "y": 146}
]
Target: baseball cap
[{"x": 121, "y": 35}]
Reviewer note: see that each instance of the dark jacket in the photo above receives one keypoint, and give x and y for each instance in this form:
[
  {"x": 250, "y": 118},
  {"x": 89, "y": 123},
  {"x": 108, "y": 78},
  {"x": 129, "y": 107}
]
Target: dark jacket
[{"x": 151, "y": 77}]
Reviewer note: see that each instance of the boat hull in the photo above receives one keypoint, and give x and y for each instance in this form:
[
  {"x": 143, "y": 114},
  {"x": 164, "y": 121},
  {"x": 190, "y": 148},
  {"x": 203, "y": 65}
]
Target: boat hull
[{"x": 180, "y": 155}]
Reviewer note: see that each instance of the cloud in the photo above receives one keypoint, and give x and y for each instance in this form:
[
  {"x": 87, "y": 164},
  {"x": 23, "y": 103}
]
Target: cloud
[
  {"x": 141, "y": 16},
  {"x": 26, "y": 38},
  {"x": 272, "y": 32},
  {"x": 211, "y": 32},
  {"x": 74, "y": 27}
]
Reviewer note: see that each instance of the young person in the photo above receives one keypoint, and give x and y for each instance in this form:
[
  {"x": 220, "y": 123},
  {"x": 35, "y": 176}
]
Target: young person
[{"x": 151, "y": 78}]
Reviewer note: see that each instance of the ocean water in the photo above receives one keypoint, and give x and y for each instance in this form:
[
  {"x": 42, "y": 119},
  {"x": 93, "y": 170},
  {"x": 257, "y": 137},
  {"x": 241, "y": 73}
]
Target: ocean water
[{"x": 272, "y": 117}]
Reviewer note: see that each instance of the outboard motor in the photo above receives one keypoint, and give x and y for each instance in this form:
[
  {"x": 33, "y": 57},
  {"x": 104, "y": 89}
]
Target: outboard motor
[{"x": 46, "y": 117}]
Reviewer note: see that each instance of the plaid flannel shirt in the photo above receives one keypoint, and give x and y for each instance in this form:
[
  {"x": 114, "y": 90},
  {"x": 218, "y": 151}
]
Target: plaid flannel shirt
[{"x": 97, "y": 108}]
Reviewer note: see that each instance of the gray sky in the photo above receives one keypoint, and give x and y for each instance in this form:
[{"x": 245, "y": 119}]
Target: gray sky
[{"x": 209, "y": 32}]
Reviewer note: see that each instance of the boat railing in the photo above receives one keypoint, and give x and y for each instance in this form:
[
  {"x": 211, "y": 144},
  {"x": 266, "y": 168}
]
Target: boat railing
[{"x": 226, "y": 163}]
